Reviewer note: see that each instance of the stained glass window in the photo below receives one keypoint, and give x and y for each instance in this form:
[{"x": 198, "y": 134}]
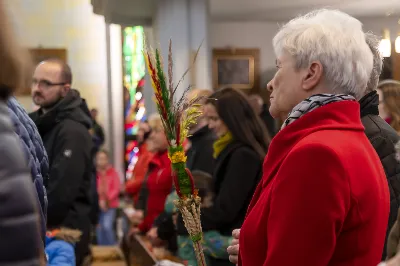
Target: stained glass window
[{"x": 134, "y": 71}]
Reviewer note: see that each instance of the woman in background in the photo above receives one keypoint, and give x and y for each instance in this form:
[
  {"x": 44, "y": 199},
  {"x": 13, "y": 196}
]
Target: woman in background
[
  {"x": 108, "y": 188},
  {"x": 157, "y": 183},
  {"x": 241, "y": 145},
  {"x": 137, "y": 174},
  {"x": 389, "y": 99}
]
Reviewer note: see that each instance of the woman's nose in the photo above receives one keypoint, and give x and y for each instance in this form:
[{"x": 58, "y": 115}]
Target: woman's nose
[{"x": 269, "y": 86}]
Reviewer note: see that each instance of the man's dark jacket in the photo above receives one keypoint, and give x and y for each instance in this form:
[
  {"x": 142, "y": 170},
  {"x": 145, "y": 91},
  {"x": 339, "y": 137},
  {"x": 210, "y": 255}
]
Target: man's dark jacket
[
  {"x": 383, "y": 137},
  {"x": 65, "y": 133}
]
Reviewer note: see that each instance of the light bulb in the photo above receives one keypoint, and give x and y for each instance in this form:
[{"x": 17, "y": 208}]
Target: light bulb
[
  {"x": 385, "y": 47},
  {"x": 397, "y": 45}
]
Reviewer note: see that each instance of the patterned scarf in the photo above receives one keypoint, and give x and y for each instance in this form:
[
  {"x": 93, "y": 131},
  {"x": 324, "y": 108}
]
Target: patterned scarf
[{"x": 313, "y": 103}]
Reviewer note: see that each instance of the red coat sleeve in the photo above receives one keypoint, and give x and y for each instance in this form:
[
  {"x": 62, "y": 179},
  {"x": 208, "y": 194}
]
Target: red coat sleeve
[
  {"x": 147, "y": 222},
  {"x": 310, "y": 199},
  {"x": 133, "y": 186}
]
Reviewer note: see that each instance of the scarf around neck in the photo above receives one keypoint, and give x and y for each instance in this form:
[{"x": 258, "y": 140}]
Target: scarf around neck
[
  {"x": 312, "y": 103},
  {"x": 221, "y": 143}
]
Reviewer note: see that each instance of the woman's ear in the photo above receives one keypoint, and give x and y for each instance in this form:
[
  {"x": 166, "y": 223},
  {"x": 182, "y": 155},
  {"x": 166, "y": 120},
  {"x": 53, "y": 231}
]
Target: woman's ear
[{"x": 313, "y": 75}]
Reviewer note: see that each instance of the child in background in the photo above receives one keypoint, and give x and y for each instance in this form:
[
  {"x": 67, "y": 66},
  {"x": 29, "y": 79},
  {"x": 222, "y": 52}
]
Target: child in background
[
  {"x": 214, "y": 243},
  {"x": 60, "y": 249},
  {"x": 108, "y": 188}
]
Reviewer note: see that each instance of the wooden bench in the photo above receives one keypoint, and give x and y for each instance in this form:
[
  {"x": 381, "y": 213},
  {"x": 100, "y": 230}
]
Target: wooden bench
[{"x": 138, "y": 250}]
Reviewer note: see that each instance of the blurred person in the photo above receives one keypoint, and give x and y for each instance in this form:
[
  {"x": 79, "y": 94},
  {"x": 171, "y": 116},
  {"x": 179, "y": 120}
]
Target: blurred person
[
  {"x": 395, "y": 261},
  {"x": 96, "y": 131},
  {"x": 35, "y": 154},
  {"x": 108, "y": 187},
  {"x": 242, "y": 141},
  {"x": 214, "y": 244},
  {"x": 63, "y": 121},
  {"x": 133, "y": 185},
  {"x": 393, "y": 241},
  {"x": 389, "y": 98},
  {"x": 382, "y": 137},
  {"x": 201, "y": 138},
  {"x": 20, "y": 241},
  {"x": 261, "y": 109},
  {"x": 162, "y": 234},
  {"x": 158, "y": 181},
  {"x": 60, "y": 247},
  {"x": 318, "y": 80}
]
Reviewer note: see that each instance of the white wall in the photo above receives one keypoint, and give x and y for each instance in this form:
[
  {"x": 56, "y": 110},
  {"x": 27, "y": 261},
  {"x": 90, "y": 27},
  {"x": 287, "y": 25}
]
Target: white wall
[
  {"x": 260, "y": 34},
  {"x": 68, "y": 24}
]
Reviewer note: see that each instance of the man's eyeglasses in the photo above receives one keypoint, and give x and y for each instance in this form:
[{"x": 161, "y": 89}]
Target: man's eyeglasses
[{"x": 45, "y": 83}]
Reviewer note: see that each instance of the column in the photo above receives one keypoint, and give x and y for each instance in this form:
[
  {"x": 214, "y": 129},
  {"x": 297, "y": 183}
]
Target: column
[
  {"x": 199, "y": 34},
  {"x": 185, "y": 22}
]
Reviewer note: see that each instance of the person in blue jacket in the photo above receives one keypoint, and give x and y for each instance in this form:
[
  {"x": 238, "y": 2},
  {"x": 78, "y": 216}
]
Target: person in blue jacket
[{"x": 60, "y": 247}]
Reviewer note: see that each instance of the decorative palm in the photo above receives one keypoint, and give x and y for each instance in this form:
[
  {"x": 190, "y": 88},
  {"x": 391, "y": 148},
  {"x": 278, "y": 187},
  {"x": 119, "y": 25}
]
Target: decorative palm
[{"x": 177, "y": 116}]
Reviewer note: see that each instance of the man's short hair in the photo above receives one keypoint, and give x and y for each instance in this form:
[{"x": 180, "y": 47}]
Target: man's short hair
[{"x": 66, "y": 73}]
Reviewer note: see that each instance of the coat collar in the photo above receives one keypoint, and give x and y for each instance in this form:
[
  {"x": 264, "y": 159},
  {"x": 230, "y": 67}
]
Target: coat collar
[
  {"x": 344, "y": 115},
  {"x": 160, "y": 160},
  {"x": 199, "y": 134},
  {"x": 369, "y": 104}
]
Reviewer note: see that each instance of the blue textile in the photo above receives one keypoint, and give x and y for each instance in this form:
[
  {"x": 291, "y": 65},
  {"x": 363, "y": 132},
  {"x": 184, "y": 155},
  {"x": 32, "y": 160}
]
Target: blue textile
[
  {"x": 59, "y": 253},
  {"x": 105, "y": 230},
  {"x": 35, "y": 153}
]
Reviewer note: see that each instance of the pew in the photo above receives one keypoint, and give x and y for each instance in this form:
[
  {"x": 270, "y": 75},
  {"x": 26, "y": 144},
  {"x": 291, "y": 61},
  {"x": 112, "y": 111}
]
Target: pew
[{"x": 138, "y": 250}]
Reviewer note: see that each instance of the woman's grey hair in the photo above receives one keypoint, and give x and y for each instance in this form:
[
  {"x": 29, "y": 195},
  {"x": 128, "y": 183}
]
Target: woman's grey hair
[
  {"x": 373, "y": 43},
  {"x": 337, "y": 41}
]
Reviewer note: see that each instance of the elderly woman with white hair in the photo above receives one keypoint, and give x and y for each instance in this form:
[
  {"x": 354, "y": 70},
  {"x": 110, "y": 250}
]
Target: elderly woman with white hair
[{"x": 323, "y": 198}]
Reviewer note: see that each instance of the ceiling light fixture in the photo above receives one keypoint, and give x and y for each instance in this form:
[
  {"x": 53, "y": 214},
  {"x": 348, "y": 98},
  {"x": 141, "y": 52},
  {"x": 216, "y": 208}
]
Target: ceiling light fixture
[
  {"x": 385, "y": 47},
  {"x": 397, "y": 44}
]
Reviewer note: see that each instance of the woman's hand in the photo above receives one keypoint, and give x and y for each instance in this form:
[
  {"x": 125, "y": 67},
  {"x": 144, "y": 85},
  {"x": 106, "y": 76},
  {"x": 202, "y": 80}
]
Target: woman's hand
[
  {"x": 152, "y": 234},
  {"x": 133, "y": 231},
  {"x": 137, "y": 217},
  {"x": 395, "y": 261},
  {"x": 233, "y": 249},
  {"x": 103, "y": 205}
]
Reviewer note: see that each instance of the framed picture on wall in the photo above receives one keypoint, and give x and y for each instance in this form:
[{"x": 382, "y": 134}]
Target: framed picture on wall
[
  {"x": 41, "y": 54},
  {"x": 236, "y": 68}
]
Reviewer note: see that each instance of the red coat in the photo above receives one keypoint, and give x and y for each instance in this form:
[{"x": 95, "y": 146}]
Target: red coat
[
  {"x": 323, "y": 199},
  {"x": 159, "y": 185},
  {"x": 133, "y": 185},
  {"x": 108, "y": 186}
]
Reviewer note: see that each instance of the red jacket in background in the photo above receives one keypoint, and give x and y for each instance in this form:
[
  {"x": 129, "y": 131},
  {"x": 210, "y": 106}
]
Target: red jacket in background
[
  {"x": 323, "y": 199},
  {"x": 133, "y": 185},
  {"x": 108, "y": 187},
  {"x": 159, "y": 185}
]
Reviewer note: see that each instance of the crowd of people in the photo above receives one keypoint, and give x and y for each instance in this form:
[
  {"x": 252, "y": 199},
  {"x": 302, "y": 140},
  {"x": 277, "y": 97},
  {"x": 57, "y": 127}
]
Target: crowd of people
[{"x": 322, "y": 188}]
